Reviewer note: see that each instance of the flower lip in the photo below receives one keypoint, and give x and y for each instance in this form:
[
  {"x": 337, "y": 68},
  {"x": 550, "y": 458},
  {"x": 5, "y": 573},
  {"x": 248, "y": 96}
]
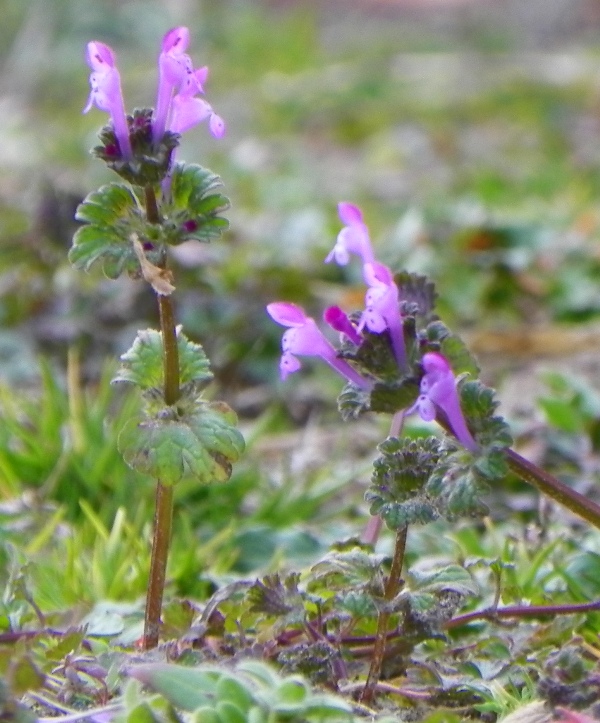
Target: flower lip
[
  {"x": 286, "y": 313},
  {"x": 99, "y": 56},
  {"x": 350, "y": 214},
  {"x": 105, "y": 92},
  {"x": 176, "y": 40},
  {"x": 303, "y": 337},
  {"x": 438, "y": 391},
  {"x": 177, "y": 107},
  {"x": 353, "y": 238}
]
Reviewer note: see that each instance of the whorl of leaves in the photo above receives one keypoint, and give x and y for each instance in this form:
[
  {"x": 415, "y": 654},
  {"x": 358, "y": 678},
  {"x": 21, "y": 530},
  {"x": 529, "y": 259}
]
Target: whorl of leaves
[
  {"x": 150, "y": 162},
  {"x": 142, "y": 364},
  {"x": 195, "y": 207},
  {"x": 398, "y": 489},
  {"x": 113, "y": 218},
  {"x": 191, "y": 438}
]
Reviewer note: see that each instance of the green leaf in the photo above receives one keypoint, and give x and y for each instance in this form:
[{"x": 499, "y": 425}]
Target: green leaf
[
  {"x": 199, "y": 442},
  {"x": 25, "y": 676},
  {"x": 194, "y": 209},
  {"x": 206, "y": 714},
  {"x": 393, "y": 397},
  {"x": 358, "y": 604},
  {"x": 478, "y": 404},
  {"x": 232, "y": 690},
  {"x": 112, "y": 216},
  {"x": 274, "y": 597},
  {"x": 352, "y": 402},
  {"x": 187, "y": 688},
  {"x": 456, "y": 488},
  {"x": 374, "y": 357},
  {"x": 398, "y": 490},
  {"x": 440, "y": 338},
  {"x": 355, "y": 568},
  {"x": 230, "y": 713},
  {"x": 449, "y": 577},
  {"x": 142, "y": 364},
  {"x": 322, "y": 707}
]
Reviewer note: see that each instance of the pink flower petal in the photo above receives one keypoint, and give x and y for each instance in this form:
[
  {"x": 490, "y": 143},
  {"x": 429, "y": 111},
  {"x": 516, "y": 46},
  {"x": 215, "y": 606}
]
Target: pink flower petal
[{"x": 287, "y": 314}]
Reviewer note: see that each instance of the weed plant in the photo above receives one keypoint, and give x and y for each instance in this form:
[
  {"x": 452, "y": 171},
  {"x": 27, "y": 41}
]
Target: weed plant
[{"x": 461, "y": 618}]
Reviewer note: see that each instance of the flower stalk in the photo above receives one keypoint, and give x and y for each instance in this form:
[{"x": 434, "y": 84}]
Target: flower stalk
[
  {"x": 393, "y": 586},
  {"x": 141, "y": 149},
  {"x": 163, "y": 520},
  {"x": 555, "y": 489}
]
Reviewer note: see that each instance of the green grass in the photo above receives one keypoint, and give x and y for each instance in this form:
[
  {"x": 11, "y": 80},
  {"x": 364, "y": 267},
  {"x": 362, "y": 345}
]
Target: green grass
[{"x": 490, "y": 189}]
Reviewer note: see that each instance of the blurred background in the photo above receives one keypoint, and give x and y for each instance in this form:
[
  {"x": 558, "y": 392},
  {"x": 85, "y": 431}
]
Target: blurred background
[{"x": 467, "y": 130}]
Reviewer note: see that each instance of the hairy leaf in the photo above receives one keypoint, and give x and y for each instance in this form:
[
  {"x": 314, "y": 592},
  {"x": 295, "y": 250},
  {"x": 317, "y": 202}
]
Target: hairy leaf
[
  {"x": 273, "y": 596},
  {"x": 112, "y": 216},
  {"x": 194, "y": 209},
  {"x": 142, "y": 364},
  {"x": 199, "y": 442},
  {"x": 398, "y": 489},
  {"x": 448, "y": 577}
]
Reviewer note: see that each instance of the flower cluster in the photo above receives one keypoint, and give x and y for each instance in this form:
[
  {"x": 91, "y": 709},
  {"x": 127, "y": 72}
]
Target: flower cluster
[
  {"x": 178, "y": 107},
  {"x": 382, "y": 313}
]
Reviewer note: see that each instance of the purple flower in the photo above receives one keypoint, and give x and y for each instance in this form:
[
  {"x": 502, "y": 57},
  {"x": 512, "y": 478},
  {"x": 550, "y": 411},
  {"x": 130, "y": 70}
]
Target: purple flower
[
  {"x": 105, "y": 93},
  {"x": 438, "y": 390},
  {"x": 304, "y": 338},
  {"x": 177, "y": 106},
  {"x": 338, "y": 320},
  {"x": 353, "y": 238},
  {"x": 382, "y": 310}
]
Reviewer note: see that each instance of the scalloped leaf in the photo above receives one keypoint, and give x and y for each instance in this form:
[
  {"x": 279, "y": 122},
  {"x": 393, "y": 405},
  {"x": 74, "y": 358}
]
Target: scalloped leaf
[
  {"x": 194, "y": 209},
  {"x": 448, "y": 577},
  {"x": 111, "y": 216},
  {"x": 398, "y": 489},
  {"x": 276, "y": 598},
  {"x": 355, "y": 567},
  {"x": 440, "y": 338},
  {"x": 391, "y": 398},
  {"x": 201, "y": 442},
  {"x": 479, "y": 403},
  {"x": 353, "y": 401},
  {"x": 457, "y": 487},
  {"x": 374, "y": 357},
  {"x": 357, "y": 603},
  {"x": 142, "y": 364},
  {"x": 399, "y": 515}
]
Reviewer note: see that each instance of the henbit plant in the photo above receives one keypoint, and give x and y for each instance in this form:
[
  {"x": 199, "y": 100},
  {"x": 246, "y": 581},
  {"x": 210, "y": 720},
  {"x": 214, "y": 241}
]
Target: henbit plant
[
  {"x": 399, "y": 358},
  {"x": 129, "y": 228}
]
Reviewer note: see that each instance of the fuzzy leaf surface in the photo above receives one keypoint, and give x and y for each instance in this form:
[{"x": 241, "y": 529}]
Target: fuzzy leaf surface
[
  {"x": 195, "y": 207},
  {"x": 142, "y": 364},
  {"x": 111, "y": 215},
  {"x": 398, "y": 489},
  {"x": 449, "y": 577},
  {"x": 200, "y": 442}
]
